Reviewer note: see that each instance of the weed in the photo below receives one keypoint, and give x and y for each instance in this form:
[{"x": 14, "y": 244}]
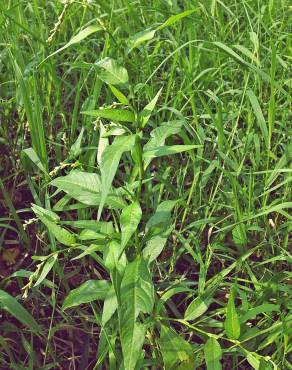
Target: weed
[{"x": 146, "y": 185}]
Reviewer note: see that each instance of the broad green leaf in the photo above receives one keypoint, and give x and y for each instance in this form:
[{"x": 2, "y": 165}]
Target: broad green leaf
[
  {"x": 259, "y": 115},
  {"x": 77, "y": 38},
  {"x": 139, "y": 38},
  {"x": 40, "y": 211},
  {"x": 175, "y": 349},
  {"x": 137, "y": 295},
  {"x": 155, "y": 245},
  {"x": 117, "y": 115},
  {"x": 232, "y": 324},
  {"x": 21, "y": 273},
  {"x": 85, "y": 187},
  {"x": 83, "y": 34},
  {"x": 102, "y": 227},
  {"x": 11, "y": 305},
  {"x": 110, "y": 305},
  {"x": 159, "y": 135},
  {"x": 88, "y": 251},
  {"x": 111, "y": 72},
  {"x": 167, "y": 150},
  {"x": 177, "y": 17},
  {"x": 82, "y": 186},
  {"x": 114, "y": 130},
  {"x": 148, "y": 34},
  {"x": 130, "y": 218},
  {"x": 88, "y": 234},
  {"x": 119, "y": 95},
  {"x": 62, "y": 235},
  {"x": 198, "y": 307},
  {"x": 46, "y": 269},
  {"x": 264, "y": 365},
  {"x": 162, "y": 214},
  {"x": 109, "y": 164},
  {"x": 254, "y": 360},
  {"x": 89, "y": 291},
  {"x": 114, "y": 258},
  {"x": 213, "y": 354},
  {"x": 146, "y": 112}
]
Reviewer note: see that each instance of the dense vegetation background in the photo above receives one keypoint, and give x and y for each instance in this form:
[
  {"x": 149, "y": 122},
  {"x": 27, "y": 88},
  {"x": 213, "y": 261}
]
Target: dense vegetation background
[{"x": 145, "y": 184}]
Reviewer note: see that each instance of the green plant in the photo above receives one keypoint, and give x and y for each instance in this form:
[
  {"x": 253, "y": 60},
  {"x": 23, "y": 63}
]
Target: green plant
[{"x": 154, "y": 140}]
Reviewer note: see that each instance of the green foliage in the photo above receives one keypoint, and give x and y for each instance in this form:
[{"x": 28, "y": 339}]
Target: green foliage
[
  {"x": 176, "y": 352},
  {"x": 136, "y": 296},
  {"x": 90, "y": 291},
  {"x": 150, "y": 159},
  {"x": 10, "y": 304},
  {"x": 213, "y": 354},
  {"x": 232, "y": 324},
  {"x": 112, "y": 73}
]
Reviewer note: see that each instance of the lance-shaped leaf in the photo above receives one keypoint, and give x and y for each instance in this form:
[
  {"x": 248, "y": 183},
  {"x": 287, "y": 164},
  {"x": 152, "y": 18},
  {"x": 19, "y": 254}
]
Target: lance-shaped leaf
[
  {"x": 62, "y": 235},
  {"x": 46, "y": 269},
  {"x": 40, "y": 211},
  {"x": 162, "y": 214},
  {"x": 175, "y": 349},
  {"x": 111, "y": 72},
  {"x": 146, "y": 112},
  {"x": 89, "y": 291},
  {"x": 148, "y": 34},
  {"x": 232, "y": 323},
  {"x": 130, "y": 218},
  {"x": 117, "y": 115},
  {"x": 198, "y": 306},
  {"x": 114, "y": 258},
  {"x": 75, "y": 149},
  {"x": 82, "y": 186},
  {"x": 213, "y": 354},
  {"x": 167, "y": 150},
  {"x": 11, "y": 305},
  {"x": 119, "y": 95},
  {"x": 259, "y": 115},
  {"x": 109, "y": 164},
  {"x": 110, "y": 305},
  {"x": 137, "y": 295},
  {"x": 139, "y": 38},
  {"x": 85, "y": 187},
  {"x": 155, "y": 245},
  {"x": 159, "y": 135},
  {"x": 77, "y": 38},
  {"x": 175, "y": 18}
]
